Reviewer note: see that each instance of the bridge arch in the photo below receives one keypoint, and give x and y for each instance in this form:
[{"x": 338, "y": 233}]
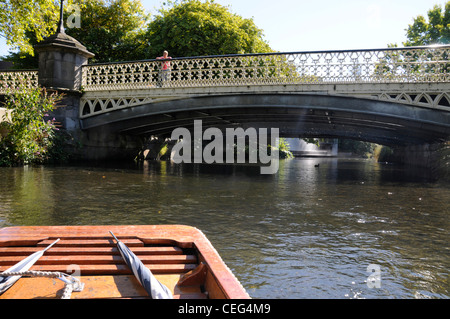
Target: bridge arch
[{"x": 296, "y": 115}]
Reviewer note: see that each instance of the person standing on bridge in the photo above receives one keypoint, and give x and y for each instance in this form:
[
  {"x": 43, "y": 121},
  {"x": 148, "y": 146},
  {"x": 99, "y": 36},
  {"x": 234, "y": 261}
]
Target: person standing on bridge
[{"x": 166, "y": 67}]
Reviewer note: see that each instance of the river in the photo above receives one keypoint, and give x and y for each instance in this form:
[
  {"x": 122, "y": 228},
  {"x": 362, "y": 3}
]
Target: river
[{"x": 306, "y": 232}]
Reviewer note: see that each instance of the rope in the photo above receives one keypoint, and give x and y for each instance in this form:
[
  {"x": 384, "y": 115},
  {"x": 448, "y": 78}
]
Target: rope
[{"x": 71, "y": 283}]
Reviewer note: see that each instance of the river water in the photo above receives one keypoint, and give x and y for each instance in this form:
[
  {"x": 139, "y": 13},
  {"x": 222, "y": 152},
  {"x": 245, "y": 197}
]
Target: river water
[{"x": 346, "y": 229}]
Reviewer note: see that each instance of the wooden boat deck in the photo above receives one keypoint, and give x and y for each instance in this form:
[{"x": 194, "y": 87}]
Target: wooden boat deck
[{"x": 181, "y": 257}]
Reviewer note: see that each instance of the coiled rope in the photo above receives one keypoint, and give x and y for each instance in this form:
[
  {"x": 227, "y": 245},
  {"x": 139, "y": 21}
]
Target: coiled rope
[{"x": 71, "y": 283}]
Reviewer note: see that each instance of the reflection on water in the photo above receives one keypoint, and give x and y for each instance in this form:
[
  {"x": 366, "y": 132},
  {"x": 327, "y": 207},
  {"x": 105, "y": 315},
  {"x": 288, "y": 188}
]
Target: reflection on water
[{"x": 307, "y": 232}]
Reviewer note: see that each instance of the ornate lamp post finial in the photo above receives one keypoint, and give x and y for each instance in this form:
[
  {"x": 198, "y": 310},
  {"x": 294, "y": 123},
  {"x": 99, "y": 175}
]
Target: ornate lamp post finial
[{"x": 61, "y": 18}]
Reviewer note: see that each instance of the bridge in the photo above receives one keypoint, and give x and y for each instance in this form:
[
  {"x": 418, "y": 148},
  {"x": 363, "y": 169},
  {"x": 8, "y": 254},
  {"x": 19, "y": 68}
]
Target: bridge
[
  {"x": 388, "y": 96},
  {"x": 393, "y": 96}
]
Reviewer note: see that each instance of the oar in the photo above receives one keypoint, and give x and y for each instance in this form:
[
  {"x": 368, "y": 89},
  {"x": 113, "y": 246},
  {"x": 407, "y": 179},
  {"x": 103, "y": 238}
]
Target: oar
[{"x": 23, "y": 265}]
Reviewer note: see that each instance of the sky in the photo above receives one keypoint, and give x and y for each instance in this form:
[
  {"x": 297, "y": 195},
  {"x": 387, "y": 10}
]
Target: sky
[{"x": 313, "y": 25}]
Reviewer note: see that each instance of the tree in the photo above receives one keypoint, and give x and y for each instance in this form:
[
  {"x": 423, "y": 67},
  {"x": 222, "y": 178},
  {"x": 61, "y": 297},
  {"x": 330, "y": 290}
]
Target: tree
[
  {"x": 22, "y": 19},
  {"x": 112, "y": 29},
  {"x": 30, "y": 132},
  {"x": 195, "y": 28},
  {"x": 356, "y": 147},
  {"x": 434, "y": 31}
]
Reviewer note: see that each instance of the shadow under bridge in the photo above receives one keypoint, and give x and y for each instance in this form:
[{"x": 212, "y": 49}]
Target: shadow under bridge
[{"x": 296, "y": 115}]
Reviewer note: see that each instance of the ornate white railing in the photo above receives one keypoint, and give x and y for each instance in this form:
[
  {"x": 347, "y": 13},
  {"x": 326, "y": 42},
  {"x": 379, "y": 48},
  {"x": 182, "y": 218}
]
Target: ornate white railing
[
  {"x": 13, "y": 80},
  {"x": 394, "y": 65}
]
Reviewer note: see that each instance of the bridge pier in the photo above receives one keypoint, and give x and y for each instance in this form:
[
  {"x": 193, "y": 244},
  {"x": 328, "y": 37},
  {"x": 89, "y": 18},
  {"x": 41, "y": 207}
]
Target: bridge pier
[
  {"x": 103, "y": 145},
  {"x": 435, "y": 158},
  {"x": 61, "y": 59}
]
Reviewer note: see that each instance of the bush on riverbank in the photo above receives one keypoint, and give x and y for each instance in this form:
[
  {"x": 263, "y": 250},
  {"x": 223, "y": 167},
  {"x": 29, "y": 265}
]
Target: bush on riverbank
[
  {"x": 284, "y": 148},
  {"x": 30, "y": 133},
  {"x": 359, "y": 148}
]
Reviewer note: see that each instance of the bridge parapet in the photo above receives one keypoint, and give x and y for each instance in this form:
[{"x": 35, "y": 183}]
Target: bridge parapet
[
  {"x": 393, "y": 65},
  {"x": 427, "y": 64},
  {"x": 13, "y": 80},
  {"x": 416, "y": 76}
]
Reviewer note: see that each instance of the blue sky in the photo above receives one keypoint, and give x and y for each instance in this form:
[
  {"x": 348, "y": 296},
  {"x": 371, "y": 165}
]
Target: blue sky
[{"x": 304, "y": 25}]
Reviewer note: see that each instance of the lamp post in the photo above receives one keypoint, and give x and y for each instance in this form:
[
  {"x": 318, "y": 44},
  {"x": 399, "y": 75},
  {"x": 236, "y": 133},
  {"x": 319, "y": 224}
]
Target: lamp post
[
  {"x": 61, "y": 18},
  {"x": 61, "y": 58}
]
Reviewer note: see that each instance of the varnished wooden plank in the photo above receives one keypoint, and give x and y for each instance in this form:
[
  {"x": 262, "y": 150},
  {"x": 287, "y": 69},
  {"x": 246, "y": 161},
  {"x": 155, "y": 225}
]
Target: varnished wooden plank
[
  {"x": 90, "y": 243},
  {"x": 108, "y": 269},
  {"x": 97, "y": 287},
  {"x": 101, "y": 259},
  {"x": 174, "y": 232},
  {"x": 26, "y": 251},
  {"x": 182, "y": 235},
  {"x": 22, "y": 241}
]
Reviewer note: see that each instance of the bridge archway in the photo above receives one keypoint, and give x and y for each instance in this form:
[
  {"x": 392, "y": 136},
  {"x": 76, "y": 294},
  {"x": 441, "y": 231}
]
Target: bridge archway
[{"x": 296, "y": 115}]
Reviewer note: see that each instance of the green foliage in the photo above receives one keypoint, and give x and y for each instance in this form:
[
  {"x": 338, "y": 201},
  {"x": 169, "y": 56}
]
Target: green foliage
[
  {"x": 364, "y": 149},
  {"x": 22, "y": 61},
  {"x": 386, "y": 154},
  {"x": 434, "y": 31},
  {"x": 21, "y": 20},
  {"x": 112, "y": 29},
  {"x": 421, "y": 32},
  {"x": 121, "y": 30},
  {"x": 29, "y": 134},
  {"x": 284, "y": 149},
  {"x": 315, "y": 141},
  {"x": 195, "y": 28}
]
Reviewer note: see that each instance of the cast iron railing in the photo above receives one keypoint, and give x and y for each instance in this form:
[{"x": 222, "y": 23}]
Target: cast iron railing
[
  {"x": 427, "y": 64},
  {"x": 393, "y": 65}
]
